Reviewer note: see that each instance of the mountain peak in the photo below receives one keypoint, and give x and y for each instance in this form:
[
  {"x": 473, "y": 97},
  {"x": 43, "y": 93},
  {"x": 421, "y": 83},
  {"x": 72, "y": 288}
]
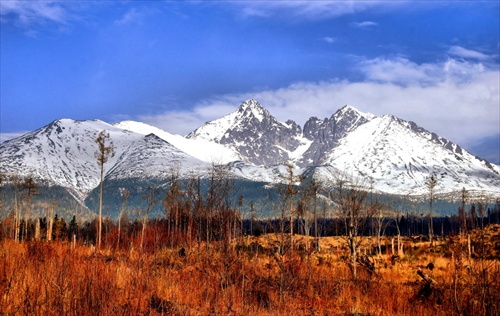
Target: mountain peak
[
  {"x": 253, "y": 108},
  {"x": 251, "y": 103},
  {"x": 348, "y": 107},
  {"x": 349, "y": 110}
]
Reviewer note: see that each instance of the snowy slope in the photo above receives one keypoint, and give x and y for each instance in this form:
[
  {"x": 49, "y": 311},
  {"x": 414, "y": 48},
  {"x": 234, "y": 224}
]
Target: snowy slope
[
  {"x": 399, "y": 158},
  {"x": 325, "y": 134},
  {"x": 248, "y": 112},
  {"x": 201, "y": 149},
  {"x": 272, "y": 174},
  {"x": 63, "y": 153},
  {"x": 152, "y": 156}
]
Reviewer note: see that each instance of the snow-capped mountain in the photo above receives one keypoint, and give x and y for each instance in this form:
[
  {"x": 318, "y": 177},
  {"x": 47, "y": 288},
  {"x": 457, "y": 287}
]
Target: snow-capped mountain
[
  {"x": 152, "y": 156},
  {"x": 63, "y": 153},
  {"x": 254, "y": 134},
  {"x": 325, "y": 134},
  {"x": 396, "y": 155}
]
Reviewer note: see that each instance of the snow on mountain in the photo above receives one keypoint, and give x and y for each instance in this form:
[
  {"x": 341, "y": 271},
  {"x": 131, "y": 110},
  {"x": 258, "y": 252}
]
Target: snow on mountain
[
  {"x": 397, "y": 155},
  {"x": 255, "y": 134},
  {"x": 249, "y": 112},
  {"x": 63, "y": 153},
  {"x": 272, "y": 173},
  {"x": 152, "y": 156},
  {"x": 201, "y": 149},
  {"x": 399, "y": 158},
  {"x": 325, "y": 134}
]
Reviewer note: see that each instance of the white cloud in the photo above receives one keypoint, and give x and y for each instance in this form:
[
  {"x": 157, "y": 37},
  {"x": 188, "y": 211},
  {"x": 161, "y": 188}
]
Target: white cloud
[
  {"x": 185, "y": 121},
  {"x": 29, "y": 12},
  {"x": 132, "y": 15},
  {"x": 329, "y": 39},
  {"x": 307, "y": 9},
  {"x": 459, "y": 51},
  {"x": 365, "y": 24},
  {"x": 402, "y": 71},
  {"x": 457, "y": 100}
]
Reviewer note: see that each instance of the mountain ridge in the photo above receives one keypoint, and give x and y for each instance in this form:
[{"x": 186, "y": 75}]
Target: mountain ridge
[{"x": 397, "y": 155}]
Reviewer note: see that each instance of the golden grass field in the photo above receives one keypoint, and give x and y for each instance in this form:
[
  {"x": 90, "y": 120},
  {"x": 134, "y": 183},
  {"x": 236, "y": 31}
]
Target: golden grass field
[{"x": 249, "y": 277}]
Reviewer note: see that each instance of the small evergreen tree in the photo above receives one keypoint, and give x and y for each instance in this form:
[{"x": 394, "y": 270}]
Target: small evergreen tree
[
  {"x": 59, "y": 227},
  {"x": 73, "y": 226}
]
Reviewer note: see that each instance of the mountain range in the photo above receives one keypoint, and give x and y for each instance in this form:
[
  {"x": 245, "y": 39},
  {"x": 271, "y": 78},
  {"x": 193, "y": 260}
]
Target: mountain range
[{"x": 395, "y": 155}]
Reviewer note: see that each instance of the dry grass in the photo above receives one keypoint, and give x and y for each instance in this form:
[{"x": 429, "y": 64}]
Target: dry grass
[{"x": 249, "y": 278}]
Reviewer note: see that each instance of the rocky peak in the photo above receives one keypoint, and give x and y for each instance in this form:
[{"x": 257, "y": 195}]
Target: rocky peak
[{"x": 253, "y": 109}]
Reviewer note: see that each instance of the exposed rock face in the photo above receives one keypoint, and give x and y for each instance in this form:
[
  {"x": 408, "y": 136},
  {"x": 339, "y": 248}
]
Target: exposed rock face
[
  {"x": 325, "y": 134},
  {"x": 254, "y": 133}
]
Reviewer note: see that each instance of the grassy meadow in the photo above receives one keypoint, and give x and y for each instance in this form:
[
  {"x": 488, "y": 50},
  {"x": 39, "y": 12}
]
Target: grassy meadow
[{"x": 254, "y": 276}]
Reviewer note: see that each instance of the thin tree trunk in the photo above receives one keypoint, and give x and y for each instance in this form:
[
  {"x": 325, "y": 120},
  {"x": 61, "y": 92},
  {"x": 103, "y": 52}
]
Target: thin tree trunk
[{"x": 99, "y": 233}]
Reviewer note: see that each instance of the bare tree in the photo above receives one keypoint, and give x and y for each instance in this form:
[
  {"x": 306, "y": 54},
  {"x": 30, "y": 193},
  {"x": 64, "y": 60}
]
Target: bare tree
[
  {"x": 104, "y": 151},
  {"x": 290, "y": 190},
  {"x": 31, "y": 189},
  {"x": 462, "y": 216},
  {"x": 16, "y": 183},
  {"x": 151, "y": 197},
  {"x": 195, "y": 203},
  {"x": 308, "y": 208},
  {"x": 379, "y": 220},
  {"x": 350, "y": 197},
  {"x": 173, "y": 204},
  {"x": 313, "y": 189},
  {"x": 252, "y": 217},
  {"x": 123, "y": 208},
  {"x": 219, "y": 204},
  {"x": 50, "y": 218},
  {"x": 3, "y": 179},
  {"x": 431, "y": 183}
]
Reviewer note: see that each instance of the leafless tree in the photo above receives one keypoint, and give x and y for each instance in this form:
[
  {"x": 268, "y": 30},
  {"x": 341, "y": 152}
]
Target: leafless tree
[
  {"x": 289, "y": 188},
  {"x": 123, "y": 209},
  {"x": 15, "y": 181},
  {"x": 380, "y": 226},
  {"x": 151, "y": 197},
  {"x": 431, "y": 183},
  {"x": 307, "y": 207},
  {"x": 462, "y": 216},
  {"x": 50, "y": 219},
  {"x": 195, "y": 204},
  {"x": 174, "y": 204},
  {"x": 104, "y": 151},
  {"x": 31, "y": 189},
  {"x": 220, "y": 205},
  {"x": 350, "y": 195},
  {"x": 3, "y": 179}
]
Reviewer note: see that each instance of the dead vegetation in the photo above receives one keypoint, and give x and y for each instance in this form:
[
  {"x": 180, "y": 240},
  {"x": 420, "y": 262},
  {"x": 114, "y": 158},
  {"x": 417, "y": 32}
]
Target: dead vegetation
[{"x": 252, "y": 277}]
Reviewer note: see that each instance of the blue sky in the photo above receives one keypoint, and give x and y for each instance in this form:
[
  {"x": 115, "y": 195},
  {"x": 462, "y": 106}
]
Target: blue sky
[{"x": 178, "y": 64}]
